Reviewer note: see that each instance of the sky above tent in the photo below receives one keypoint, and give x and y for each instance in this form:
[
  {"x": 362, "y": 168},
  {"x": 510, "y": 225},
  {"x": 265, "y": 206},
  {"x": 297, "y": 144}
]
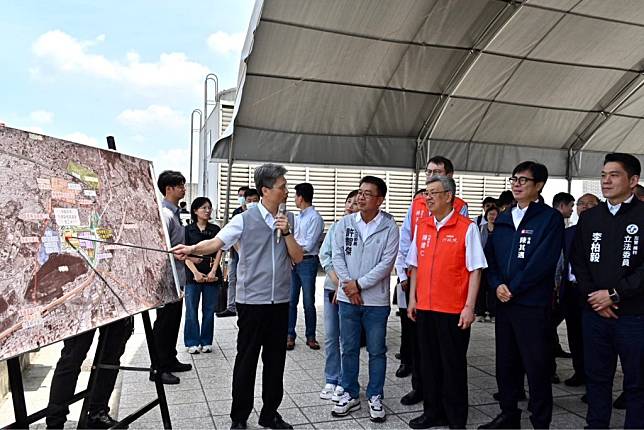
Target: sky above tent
[{"x": 83, "y": 70}]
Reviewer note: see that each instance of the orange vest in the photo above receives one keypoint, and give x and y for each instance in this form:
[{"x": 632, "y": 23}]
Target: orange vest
[
  {"x": 419, "y": 210},
  {"x": 442, "y": 279}
]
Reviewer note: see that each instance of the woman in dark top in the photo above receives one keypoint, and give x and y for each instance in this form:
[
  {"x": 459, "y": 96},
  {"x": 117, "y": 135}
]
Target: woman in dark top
[{"x": 202, "y": 281}]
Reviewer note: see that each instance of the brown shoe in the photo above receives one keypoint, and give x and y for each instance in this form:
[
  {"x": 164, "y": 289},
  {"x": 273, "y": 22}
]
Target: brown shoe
[
  {"x": 313, "y": 344},
  {"x": 290, "y": 344}
]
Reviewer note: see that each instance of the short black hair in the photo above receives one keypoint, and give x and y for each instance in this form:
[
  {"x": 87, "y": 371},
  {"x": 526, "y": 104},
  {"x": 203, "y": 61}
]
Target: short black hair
[
  {"x": 446, "y": 162},
  {"x": 378, "y": 182},
  {"x": 565, "y": 198},
  {"x": 538, "y": 170},
  {"x": 251, "y": 192},
  {"x": 505, "y": 198},
  {"x": 170, "y": 178},
  {"x": 488, "y": 200},
  {"x": 351, "y": 195},
  {"x": 196, "y": 204},
  {"x": 420, "y": 191},
  {"x": 243, "y": 188},
  {"x": 304, "y": 190},
  {"x": 182, "y": 204},
  {"x": 629, "y": 162}
]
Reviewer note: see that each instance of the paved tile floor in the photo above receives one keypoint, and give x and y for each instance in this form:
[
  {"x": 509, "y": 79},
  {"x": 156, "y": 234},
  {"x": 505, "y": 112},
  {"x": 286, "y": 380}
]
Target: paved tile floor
[{"x": 203, "y": 398}]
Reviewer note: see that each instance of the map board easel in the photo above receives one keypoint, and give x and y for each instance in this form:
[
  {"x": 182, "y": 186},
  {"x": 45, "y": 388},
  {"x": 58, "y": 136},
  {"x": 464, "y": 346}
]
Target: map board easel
[{"x": 61, "y": 196}]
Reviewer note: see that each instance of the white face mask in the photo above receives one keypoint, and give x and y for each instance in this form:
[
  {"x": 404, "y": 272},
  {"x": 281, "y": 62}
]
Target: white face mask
[
  {"x": 251, "y": 205},
  {"x": 241, "y": 200}
]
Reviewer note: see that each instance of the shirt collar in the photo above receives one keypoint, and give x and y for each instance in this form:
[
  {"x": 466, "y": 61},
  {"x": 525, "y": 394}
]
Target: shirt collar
[
  {"x": 376, "y": 219},
  {"x": 262, "y": 210},
  {"x": 618, "y": 205},
  {"x": 169, "y": 205},
  {"x": 307, "y": 210},
  {"x": 442, "y": 222}
]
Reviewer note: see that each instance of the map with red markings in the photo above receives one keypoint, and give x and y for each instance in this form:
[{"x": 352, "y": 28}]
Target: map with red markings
[{"x": 66, "y": 212}]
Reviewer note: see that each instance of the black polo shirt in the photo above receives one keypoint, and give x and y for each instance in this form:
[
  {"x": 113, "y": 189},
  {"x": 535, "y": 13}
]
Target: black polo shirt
[{"x": 193, "y": 236}]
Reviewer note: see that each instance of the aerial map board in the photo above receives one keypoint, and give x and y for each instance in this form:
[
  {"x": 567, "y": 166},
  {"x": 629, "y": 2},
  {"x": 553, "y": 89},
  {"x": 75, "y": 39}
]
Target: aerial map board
[{"x": 63, "y": 208}]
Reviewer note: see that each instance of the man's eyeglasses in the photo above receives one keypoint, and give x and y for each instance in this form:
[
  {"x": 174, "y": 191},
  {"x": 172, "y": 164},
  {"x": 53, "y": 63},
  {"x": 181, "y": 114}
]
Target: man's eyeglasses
[
  {"x": 433, "y": 193},
  {"x": 435, "y": 172},
  {"x": 367, "y": 194},
  {"x": 282, "y": 187},
  {"x": 521, "y": 180}
]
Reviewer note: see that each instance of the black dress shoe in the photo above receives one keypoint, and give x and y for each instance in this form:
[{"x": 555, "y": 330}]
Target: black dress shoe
[
  {"x": 275, "y": 423},
  {"x": 411, "y": 398},
  {"x": 224, "y": 314},
  {"x": 180, "y": 367},
  {"x": 100, "y": 420},
  {"x": 424, "y": 422},
  {"x": 404, "y": 370},
  {"x": 504, "y": 421},
  {"x": 575, "y": 380},
  {"x": 166, "y": 378},
  {"x": 522, "y": 396},
  {"x": 238, "y": 425},
  {"x": 620, "y": 402}
]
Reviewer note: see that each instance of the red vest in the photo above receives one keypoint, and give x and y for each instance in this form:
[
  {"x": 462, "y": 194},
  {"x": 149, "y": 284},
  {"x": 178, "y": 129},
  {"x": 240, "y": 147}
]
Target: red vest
[
  {"x": 419, "y": 210},
  {"x": 442, "y": 279}
]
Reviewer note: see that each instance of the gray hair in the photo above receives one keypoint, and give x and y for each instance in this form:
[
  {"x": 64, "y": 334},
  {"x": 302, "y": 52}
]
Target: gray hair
[
  {"x": 267, "y": 174},
  {"x": 447, "y": 183}
]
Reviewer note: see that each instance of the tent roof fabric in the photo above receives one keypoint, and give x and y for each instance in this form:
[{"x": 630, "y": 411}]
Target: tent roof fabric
[{"x": 487, "y": 83}]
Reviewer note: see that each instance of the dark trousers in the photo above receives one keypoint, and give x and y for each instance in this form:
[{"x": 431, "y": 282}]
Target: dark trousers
[
  {"x": 556, "y": 318},
  {"x": 604, "y": 340},
  {"x": 443, "y": 362},
  {"x": 166, "y": 333},
  {"x": 486, "y": 298},
  {"x": 261, "y": 327},
  {"x": 409, "y": 352},
  {"x": 74, "y": 352},
  {"x": 523, "y": 342},
  {"x": 572, "y": 307}
]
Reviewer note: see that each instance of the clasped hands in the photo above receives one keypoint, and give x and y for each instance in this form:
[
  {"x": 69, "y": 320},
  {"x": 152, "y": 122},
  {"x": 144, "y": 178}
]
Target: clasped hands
[
  {"x": 601, "y": 303},
  {"x": 352, "y": 292}
]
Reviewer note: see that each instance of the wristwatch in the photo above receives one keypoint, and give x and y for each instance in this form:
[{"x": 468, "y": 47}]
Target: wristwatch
[
  {"x": 614, "y": 296},
  {"x": 288, "y": 233}
]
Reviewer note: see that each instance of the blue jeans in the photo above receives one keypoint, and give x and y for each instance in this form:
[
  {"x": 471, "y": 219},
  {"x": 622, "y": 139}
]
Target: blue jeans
[
  {"x": 208, "y": 293},
  {"x": 604, "y": 340},
  {"x": 333, "y": 362},
  {"x": 303, "y": 276},
  {"x": 374, "y": 321}
]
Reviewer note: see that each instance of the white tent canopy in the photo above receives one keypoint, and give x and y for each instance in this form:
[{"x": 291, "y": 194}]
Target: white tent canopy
[{"x": 487, "y": 83}]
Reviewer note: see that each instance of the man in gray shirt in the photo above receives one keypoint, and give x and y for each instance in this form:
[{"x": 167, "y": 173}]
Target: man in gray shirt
[
  {"x": 266, "y": 250},
  {"x": 166, "y": 327}
]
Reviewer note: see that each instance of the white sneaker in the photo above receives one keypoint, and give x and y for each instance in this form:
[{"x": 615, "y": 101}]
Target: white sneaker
[
  {"x": 206, "y": 348},
  {"x": 337, "y": 393},
  {"x": 345, "y": 405},
  {"x": 376, "y": 410},
  {"x": 194, "y": 350},
  {"x": 327, "y": 391}
]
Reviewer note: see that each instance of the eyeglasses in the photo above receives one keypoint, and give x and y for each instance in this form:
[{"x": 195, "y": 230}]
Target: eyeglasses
[
  {"x": 367, "y": 194},
  {"x": 435, "y": 172},
  {"x": 433, "y": 193},
  {"x": 521, "y": 180},
  {"x": 282, "y": 187}
]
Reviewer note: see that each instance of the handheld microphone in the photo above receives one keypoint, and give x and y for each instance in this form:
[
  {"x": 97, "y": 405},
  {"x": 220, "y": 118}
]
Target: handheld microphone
[{"x": 281, "y": 210}]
